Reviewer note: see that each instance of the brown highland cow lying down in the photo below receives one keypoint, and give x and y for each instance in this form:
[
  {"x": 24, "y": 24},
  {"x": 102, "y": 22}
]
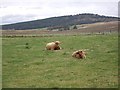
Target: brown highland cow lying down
[
  {"x": 79, "y": 54},
  {"x": 53, "y": 45}
]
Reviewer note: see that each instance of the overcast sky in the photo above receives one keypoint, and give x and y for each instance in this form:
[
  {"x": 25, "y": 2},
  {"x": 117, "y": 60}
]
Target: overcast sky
[{"x": 13, "y": 11}]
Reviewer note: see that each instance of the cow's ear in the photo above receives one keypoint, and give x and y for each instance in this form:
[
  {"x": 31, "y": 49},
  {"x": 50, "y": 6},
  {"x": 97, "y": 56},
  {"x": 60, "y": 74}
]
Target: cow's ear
[{"x": 57, "y": 42}]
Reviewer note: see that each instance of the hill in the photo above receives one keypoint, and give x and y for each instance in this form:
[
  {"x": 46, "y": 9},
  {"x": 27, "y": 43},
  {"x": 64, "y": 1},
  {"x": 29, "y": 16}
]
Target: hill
[
  {"x": 101, "y": 27},
  {"x": 62, "y": 21}
]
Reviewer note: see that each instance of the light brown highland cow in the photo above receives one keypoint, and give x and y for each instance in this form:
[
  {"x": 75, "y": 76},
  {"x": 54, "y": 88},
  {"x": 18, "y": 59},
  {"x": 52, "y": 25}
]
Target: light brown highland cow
[{"x": 53, "y": 45}]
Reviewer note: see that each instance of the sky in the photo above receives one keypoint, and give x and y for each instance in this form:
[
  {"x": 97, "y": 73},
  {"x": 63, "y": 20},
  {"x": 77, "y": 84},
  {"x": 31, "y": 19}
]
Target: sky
[{"x": 13, "y": 11}]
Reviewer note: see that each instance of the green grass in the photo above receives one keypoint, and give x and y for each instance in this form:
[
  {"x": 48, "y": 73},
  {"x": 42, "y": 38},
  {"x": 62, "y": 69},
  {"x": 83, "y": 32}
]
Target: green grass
[{"x": 32, "y": 66}]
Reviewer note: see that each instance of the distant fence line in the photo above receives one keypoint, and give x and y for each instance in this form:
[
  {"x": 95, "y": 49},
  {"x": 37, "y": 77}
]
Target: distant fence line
[{"x": 51, "y": 35}]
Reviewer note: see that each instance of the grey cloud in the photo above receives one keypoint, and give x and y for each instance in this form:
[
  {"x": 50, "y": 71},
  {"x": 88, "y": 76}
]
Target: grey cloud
[
  {"x": 102, "y": 8},
  {"x": 16, "y": 18}
]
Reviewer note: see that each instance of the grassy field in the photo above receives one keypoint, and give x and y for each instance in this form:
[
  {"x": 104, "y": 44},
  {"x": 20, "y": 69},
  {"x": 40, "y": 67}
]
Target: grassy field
[{"x": 30, "y": 66}]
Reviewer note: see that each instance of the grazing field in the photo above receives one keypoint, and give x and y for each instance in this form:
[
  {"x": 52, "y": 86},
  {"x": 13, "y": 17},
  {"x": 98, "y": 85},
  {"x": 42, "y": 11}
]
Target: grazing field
[{"x": 27, "y": 65}]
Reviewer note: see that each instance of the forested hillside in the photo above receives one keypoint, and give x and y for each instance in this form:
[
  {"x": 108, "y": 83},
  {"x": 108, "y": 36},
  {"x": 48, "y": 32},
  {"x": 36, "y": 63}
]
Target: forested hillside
[{"x": 62, "y": 21}]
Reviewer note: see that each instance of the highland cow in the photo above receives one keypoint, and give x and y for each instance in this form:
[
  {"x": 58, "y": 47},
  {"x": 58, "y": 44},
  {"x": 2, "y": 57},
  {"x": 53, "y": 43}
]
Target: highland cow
[
  {"x": 53, "y": 46},
  {"x": 79, "y": 54}
]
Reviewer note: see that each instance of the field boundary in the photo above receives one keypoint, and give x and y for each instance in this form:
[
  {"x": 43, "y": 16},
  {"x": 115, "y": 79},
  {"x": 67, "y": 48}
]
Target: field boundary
[{"x": 52, "y": 35}]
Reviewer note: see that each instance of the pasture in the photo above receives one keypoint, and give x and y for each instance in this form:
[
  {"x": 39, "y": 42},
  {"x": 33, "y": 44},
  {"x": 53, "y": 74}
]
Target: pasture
[{"x": 26, "y": 63}]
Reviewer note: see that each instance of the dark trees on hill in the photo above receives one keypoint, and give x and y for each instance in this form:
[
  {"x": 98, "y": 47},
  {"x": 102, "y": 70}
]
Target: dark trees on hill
[
  {"x": 63, "y": 21},
  {"x": 75, "y": 27}
]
